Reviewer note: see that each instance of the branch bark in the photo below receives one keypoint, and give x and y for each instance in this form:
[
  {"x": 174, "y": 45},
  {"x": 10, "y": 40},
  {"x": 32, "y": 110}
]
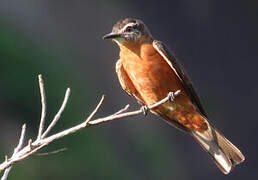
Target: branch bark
[{"x": 41, "y": 141}]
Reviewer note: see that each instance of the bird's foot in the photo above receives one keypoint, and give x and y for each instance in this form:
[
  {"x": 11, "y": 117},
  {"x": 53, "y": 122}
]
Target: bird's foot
[
  {"x": 172, "y": 95},
  {"x": 145, "y": 110}
]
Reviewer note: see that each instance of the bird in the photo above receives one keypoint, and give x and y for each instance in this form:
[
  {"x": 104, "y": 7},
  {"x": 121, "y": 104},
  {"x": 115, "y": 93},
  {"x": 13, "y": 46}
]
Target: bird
[{"x": 148, "y": 71}]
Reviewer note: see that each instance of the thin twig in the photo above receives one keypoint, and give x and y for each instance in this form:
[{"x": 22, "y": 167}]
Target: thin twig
[
  {"x": 21, "y": 141},
  {"x": 58, "y": 115},
  {"x": 52, "y": 152},
  {"x": 122, "y": 110},
  {"x": 43, "y": 104},
  {"x": 19, "y": 146},
  {"x": 95, "y": 110}
]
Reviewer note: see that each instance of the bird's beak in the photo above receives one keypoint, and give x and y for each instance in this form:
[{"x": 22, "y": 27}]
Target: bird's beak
[{"x": 112, "y": 36}]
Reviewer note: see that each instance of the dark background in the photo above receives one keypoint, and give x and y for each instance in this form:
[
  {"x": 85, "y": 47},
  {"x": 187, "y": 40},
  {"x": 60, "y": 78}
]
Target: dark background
[{"x": 216, "y": 41}]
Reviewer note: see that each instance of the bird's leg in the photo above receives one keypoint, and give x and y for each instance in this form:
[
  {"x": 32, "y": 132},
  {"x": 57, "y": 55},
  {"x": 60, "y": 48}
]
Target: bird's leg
[
  {"x": 172, "y": 95},
  {"x": 145, "y": 110}
]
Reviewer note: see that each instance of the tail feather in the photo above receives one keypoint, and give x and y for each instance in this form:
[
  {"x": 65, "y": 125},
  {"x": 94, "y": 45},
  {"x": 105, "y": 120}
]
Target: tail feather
[{"x": 224, "y": 153}]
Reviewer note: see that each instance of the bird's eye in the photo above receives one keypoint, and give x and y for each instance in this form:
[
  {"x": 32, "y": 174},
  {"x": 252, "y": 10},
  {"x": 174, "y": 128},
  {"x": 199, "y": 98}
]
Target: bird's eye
[{"x": 129, "y": 29}]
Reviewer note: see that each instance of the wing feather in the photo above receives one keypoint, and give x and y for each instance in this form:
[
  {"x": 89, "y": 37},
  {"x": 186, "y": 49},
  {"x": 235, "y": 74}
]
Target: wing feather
[
  {"x": 178, "y": 69},
  {"x": 126, "y": 82}
]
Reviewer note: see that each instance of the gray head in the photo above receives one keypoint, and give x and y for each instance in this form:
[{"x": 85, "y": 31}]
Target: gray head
[{"x": 129, "y": 30}]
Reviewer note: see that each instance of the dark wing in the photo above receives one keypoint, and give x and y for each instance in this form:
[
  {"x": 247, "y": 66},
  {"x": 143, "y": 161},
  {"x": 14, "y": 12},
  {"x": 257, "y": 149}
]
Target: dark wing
[
  {"x": 178, "y": 69},
  {"x": 126, "y": 82}
]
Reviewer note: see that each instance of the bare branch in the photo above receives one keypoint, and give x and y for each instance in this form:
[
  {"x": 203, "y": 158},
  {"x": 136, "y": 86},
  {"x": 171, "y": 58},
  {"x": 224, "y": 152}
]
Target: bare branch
[
  {"x": 6, "y": 173},
  {"x": 42, "y": 140},
  {"x": 44, "y": 106},
  {"x": 19, "y": 146},
  {"x": 21, "y": 141},
  {"x": 58, "y": 115},
  {"x": 95, "y": 110},
  {"x": 123, "y": 110},
  {"x": 119, "y": 115}
]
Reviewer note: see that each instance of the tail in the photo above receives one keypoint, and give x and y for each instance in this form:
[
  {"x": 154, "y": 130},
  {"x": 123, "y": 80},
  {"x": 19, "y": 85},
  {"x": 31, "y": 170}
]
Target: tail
[{"x": 224, "y": 153}]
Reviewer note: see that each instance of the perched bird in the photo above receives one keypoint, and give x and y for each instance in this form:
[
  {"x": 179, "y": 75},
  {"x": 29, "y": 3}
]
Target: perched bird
[{"x": 148, "y": 72}]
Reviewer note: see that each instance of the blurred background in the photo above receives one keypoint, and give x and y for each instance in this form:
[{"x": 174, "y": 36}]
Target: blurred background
[{"x": 216, "y": 41}]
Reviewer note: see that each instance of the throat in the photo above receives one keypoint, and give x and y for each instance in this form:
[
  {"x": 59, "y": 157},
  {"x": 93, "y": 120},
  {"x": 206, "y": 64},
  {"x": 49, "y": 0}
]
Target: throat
[
  {"x": 137, "y": 48},
  {"x": 130, "y": 48},
  {"x": 136, "y": 51}
]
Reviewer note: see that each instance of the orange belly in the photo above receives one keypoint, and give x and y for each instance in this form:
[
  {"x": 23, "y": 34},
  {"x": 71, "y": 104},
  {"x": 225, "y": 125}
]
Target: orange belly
[{"x": 153, "y": 78}]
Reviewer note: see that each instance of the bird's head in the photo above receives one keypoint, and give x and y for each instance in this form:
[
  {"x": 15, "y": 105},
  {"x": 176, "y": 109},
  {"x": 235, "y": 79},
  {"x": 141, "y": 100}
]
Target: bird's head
[{"x": 129, "y": 31}]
